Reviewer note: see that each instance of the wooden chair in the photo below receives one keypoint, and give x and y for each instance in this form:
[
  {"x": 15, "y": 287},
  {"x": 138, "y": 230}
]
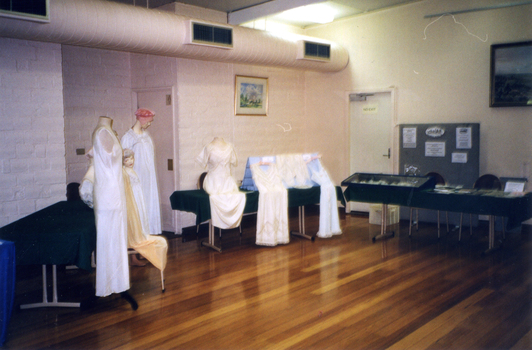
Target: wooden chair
[
  {"x": 439, "y": 181},
  {"x": 485, "y": 182}
]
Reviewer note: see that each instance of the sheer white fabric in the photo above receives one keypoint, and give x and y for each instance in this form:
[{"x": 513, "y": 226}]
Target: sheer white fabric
[
  {"x": 136, "y": 187},
  {"x": 144, "y": 166},
  {"x": 226, "y": 201},
  {"x": 272, "y": 214},
  {"x": 293, "y": 170},
  {"x": 329, "y": 220},
  {"x": 112, "y": 270}
]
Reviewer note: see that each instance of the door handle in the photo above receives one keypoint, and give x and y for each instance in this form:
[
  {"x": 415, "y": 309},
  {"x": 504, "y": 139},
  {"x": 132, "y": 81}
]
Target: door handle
[{"x": 387, "y": 155}]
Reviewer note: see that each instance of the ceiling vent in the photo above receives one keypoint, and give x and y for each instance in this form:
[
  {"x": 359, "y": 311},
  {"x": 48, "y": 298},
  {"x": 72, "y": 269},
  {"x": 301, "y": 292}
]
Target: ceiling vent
[
  {"x": 199, "y": 33},
  {"x": 32, "y": 10},
  {"x": 308, "y": 50}
]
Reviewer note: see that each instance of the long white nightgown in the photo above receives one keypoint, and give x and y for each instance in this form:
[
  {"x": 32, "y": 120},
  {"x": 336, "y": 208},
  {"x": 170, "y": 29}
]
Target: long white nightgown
[
  {"x": 329, "y": 220},
  {"x": 226, "y": 201},
  {"x": 144, "y": 166},
  {"x": 112, "y": 269},
  {"x": 272, "y": 214}
]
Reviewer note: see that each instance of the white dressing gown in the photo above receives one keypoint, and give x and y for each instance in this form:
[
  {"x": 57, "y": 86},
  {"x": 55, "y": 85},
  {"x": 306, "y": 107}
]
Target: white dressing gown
[
  {"x": 112, "y": 269},
  {"x": 329, "y": 220},
  {"x": 272, "y": 214},
  {"x": 144, "y": 166},
  {"x": 226, "y": 201}
]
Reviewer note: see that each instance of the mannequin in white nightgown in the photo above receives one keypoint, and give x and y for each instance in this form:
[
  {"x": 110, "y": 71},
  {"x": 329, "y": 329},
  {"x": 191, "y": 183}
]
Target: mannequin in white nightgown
[
  {"x": 139, "y": 140},
  {"x": 226, "y": 201},
  {"x": 112, "y": 270},
  {"x": 329, "y": 220},
  {"x": 272, "y": 214}
]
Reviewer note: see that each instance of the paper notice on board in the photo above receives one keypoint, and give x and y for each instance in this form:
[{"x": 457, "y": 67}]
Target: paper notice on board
[
  {"x": 434, "y": 149},
  {"x": 409, "y": 137},
  {"x": 463, "y": 138},
  {"x": 459, "y": 157}
]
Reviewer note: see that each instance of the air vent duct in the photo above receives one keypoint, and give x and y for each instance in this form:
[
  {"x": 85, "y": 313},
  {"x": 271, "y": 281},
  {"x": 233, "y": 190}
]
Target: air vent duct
[
  {"x": 113, "y": 26},
  {"x": 309, "y": 50},
  {"x": 34, "y": 10},
  {"x": 208, "y": 34}
]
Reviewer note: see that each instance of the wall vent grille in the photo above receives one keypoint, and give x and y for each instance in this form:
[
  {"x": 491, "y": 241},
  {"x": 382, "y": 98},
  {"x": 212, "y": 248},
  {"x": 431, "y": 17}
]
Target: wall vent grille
[
  {"x": 210, "y": 35},
  {"x": 33, "y": 10},
  {"x": 309, "y": 50}
]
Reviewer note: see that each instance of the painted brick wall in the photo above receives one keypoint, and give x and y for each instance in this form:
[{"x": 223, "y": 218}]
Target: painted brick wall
[
  {"x": 97, "y": 83},
  {"x": 32, "y": 142}
]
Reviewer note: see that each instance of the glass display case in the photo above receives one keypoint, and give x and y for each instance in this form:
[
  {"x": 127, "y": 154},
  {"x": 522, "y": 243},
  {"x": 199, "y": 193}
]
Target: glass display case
[{"x": 389, "y": 181}]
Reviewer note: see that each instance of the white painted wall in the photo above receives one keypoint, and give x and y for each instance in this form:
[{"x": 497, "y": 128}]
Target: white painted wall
[
  {"x": 32, "y": 142},
  {"x": 440, "y": 70}
]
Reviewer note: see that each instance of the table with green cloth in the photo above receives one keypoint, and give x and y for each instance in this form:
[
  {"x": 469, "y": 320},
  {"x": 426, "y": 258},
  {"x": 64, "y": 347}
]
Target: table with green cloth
[
  {"x": 63, "y": 233},
  {"x": 197, "y": 202},
  {"x": 517, "y": 208}
]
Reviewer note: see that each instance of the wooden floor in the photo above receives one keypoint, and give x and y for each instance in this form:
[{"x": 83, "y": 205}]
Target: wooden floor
[{"x": 339, "y": 293}]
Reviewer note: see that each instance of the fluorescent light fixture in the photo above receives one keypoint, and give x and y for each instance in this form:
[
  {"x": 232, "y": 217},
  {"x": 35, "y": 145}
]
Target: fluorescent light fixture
[{"x": 317, "y": 13}]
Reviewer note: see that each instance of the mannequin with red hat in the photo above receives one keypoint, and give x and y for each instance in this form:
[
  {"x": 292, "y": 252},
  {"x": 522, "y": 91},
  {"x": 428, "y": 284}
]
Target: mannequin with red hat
[{"x": 139, "y": 140}]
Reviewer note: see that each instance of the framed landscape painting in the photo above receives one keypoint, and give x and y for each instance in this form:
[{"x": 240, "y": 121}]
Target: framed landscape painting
[
  {"x": 511, "y": 75},
  {"x": 251, "y": 96}
]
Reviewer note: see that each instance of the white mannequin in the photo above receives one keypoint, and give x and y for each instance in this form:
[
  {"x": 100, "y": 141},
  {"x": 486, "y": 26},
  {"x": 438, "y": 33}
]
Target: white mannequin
[{"x": 112, "y": 270}]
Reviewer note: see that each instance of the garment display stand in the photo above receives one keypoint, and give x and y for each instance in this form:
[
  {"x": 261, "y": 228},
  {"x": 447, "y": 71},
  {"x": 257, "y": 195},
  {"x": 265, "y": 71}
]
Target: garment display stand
[{"x": 301, "y": 233}]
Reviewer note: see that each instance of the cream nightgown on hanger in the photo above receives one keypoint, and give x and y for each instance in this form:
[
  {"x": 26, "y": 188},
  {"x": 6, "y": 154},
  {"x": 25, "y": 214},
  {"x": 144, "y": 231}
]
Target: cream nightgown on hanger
[
  {"x": 144, "y": 166},
  {"x": 272, "y": 214},
  {"x": 112, "y": 268},
  {"x": 226, "y": 201}
]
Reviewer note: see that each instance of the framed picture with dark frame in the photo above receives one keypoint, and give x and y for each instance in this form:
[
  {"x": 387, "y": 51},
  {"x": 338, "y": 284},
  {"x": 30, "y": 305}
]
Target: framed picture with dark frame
[
  {"x": 511, "y": 75},
  {"x": 251, "y": 96}
]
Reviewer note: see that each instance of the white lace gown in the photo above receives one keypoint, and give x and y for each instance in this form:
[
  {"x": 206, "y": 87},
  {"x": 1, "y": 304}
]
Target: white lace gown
[
  {"x": 226, "y": 201},
  {"x": 145, "y": 168},
  {"x": 112, "y": 269},
  {"x": 272, "y": 214},
  {"x": 329, "y": 220}
]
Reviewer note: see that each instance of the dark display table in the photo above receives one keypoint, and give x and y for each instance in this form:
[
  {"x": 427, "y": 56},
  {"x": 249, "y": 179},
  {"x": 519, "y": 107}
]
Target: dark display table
[
  {"x": 197, "y": 202},
  {"x": 61, "y": 234},
  {"x": 517, "y": 208}
]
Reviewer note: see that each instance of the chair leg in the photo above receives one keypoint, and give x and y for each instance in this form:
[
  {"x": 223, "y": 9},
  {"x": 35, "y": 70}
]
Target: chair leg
[{"x": 162, "y": 281}]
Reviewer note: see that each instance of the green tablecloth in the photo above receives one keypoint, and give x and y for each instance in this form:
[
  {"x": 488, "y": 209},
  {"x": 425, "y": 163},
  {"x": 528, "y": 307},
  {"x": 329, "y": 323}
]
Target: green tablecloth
[
  {"x": 61, "y": 234},
  {"x": 516, "y": 208},
  {"x": 197, "y": 201}
]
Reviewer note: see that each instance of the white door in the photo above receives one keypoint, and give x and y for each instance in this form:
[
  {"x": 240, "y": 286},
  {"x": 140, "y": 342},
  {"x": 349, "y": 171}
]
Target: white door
[
  {"x": 162, "y": 133},
  {"x": 371, "y": 135}
]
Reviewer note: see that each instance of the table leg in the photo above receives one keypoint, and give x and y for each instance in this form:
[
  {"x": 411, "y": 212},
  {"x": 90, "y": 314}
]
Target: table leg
[
  {"x": 301, "y": 233},
  {"x": 491, "y": 237},
  {"x": 210, "y": 244},
  {"x": 45, "y": 302},
  {"x": 384, "y": 234}
]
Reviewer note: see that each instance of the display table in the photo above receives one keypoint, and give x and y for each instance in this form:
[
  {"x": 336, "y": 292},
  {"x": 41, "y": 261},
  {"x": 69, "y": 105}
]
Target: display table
[
  {"x": 61, "y": 234},
  {"x": 7, "y": 285},
  {"x": 197, "y": 202},
  {"x": 492, "y": 203}
]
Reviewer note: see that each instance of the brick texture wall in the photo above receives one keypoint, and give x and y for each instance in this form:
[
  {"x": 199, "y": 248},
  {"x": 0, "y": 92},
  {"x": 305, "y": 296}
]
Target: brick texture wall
[{"x": 32, "y": 143}]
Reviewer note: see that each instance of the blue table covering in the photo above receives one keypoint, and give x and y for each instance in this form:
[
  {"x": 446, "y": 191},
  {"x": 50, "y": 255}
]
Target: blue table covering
[{"x": 7, "y": 285}]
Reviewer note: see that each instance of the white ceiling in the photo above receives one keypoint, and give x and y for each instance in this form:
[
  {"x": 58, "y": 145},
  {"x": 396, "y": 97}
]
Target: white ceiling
[{"x": 241, "y": 11}]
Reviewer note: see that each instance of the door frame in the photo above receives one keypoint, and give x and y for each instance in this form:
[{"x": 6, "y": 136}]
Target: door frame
[
  {"x": 394, "y": 146},
  {"x": 134, "y": 106}
]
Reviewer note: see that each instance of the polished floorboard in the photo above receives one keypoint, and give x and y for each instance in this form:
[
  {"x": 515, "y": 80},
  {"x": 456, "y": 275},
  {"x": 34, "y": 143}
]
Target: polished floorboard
[{"x": 344, "y": 292}]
